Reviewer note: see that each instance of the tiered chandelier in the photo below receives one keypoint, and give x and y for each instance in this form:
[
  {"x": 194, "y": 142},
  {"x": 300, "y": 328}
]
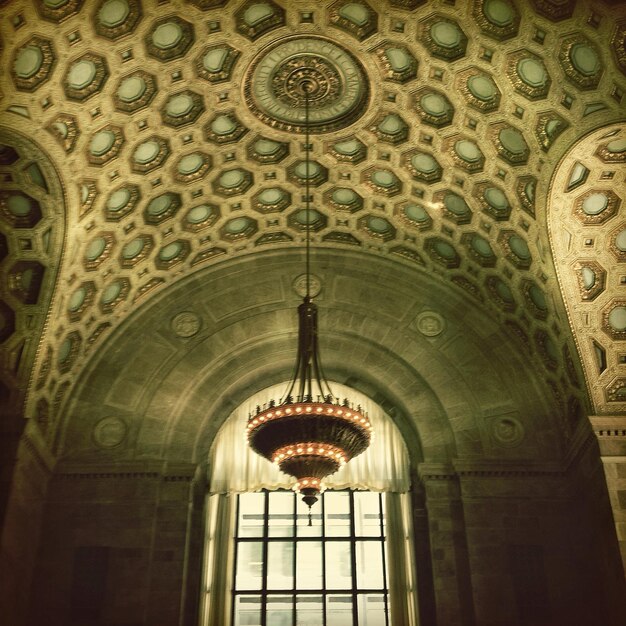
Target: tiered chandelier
[{"x": 308, "y": 433}]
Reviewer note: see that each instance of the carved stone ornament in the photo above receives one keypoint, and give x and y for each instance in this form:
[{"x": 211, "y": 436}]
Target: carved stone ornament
[
  {"x": 430, "y": 323},
  {"x": 276, "y": 81},
  {"x": 110, "y": 432},
  {"x": 186, "y": 324},
  {"x": 507, "y": 431},
  {"x": 315, "y": 285}
]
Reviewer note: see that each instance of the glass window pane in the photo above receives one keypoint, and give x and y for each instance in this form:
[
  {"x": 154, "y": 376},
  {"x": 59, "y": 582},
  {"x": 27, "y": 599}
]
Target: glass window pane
[
  {"x": 369, "y": 565},
  {"x": 251, "y": 514},
  {"x": 366, "y": 514},
  {"x": 309, "y": 610},
  {"x": 249, "y": 565},
  {"x": 280, "y": 565},
  {"x": 247, "y": 610},
  {"x": 280, "y": 520},
  {"x": 337, "y": 513},
  {"x": 279, "y": 610},
  {"x": 339, "y": 610},
  {"x": 302, "y": 519},
  {"x": 338, "y": 565},
  {"x": 371, "y": 609},
  {"x": 309, "y": 565}
]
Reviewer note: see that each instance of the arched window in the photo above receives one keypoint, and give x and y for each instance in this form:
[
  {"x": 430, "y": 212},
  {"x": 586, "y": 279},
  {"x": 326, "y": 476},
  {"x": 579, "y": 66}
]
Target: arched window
[{"x": 248, "y": 512}]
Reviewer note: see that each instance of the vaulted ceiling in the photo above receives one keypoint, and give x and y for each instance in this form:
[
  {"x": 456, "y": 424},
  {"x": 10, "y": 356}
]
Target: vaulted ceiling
[{"x": 476, "y": 143}]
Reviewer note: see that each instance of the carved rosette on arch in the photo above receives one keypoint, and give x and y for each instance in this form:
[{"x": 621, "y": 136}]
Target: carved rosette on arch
[{"x": 277, "y": 79}]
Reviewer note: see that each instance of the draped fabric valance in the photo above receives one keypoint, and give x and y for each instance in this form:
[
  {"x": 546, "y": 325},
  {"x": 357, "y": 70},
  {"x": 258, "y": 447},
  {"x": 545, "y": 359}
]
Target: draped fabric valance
[{"x": 235, "y": 468}]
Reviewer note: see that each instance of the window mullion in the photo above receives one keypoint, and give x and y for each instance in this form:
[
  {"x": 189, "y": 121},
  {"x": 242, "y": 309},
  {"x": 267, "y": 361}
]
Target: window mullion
[
  {"x": 266, "y": 515},
  {"x": 323, "y": 548},
  {"x": 236, "y": 550},
  {"x": 294, "y": 552},
  {"x": 381, "y": 512},
  {"x": 355, "y": 613}
]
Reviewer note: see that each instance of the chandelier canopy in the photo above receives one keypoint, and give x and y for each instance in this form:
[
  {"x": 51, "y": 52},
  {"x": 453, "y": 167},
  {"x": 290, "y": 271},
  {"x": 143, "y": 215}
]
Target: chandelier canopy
[{"x": 308, "y": 433}]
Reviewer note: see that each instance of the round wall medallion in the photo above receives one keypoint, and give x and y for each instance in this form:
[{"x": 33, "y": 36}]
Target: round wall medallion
[
  {"x": 186, "y": 324},
  {"x": 277, "y": 80},
  {"x": 315, "y": 285},
  {"x": 430, "y": 323},
  {"x": 109, "y": 432},
  {"x": 507, "y": 431}
]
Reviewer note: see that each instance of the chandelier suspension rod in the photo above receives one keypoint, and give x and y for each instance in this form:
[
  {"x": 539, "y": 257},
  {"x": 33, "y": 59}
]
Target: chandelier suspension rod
[{"x": 307, "y": 201}]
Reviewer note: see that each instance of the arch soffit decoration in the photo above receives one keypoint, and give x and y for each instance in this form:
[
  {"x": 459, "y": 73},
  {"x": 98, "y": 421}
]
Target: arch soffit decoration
[
  {"x": 32, "y": 239},
  {"x": 174, "y": 392},
  {"x": 586, "y": 211}
]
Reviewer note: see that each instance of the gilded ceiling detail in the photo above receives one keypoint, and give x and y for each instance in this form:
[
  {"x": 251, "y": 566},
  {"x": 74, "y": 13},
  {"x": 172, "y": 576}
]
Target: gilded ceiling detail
[
  {"x": 589, "y": 239},
  {"x": 176, "y": 130}
]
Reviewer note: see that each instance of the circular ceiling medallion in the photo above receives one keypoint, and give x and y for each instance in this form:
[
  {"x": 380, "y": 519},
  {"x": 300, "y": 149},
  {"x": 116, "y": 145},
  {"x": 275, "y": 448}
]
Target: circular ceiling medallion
[
  {"x": 277, "y": 80},
  {"x": 507, "y": 431},
  {"x": 430, "y": 323},
  {"x": 110, "y": 432},
  {"x": 186, "y": 324},
  {"x": 315, "y": 285}
]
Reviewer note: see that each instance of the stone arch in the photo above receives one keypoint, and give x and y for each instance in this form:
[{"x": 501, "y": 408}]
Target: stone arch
[
  {"x": 32, "y": 241},
  {"x": 585, "y": 214},
  {"x": 449, "y": 391}
]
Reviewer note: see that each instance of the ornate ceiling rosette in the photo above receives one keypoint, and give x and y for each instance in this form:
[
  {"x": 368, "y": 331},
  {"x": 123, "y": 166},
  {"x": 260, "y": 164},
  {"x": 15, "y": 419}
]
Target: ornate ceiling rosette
[{"x": 276, "y": 79}]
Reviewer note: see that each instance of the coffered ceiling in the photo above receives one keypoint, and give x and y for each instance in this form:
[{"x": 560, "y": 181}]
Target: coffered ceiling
[{"x": 143, "y": 141}]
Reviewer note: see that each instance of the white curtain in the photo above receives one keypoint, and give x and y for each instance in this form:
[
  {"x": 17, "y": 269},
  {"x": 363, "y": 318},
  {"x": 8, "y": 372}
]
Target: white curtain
[{"x": 235, "y": 468}]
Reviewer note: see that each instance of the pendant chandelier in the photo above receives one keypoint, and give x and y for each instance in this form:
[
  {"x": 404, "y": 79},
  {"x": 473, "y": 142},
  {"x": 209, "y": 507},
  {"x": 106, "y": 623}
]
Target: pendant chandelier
[{"x": 308, "y": 433}]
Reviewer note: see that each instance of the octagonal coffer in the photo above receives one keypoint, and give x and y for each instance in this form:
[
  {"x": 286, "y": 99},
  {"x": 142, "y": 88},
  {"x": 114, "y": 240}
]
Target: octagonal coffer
[
  {"x": 121, "y": 202},
  {"x": 348, "y": 150},
  {"x": 25, "y": 279},
  {"x": 169, "y": 38},
  {"x": 98, "y": 249},
  {"x": 479, "y": 89},
  {"x": 181, "y": 108},
  {"x": 19, "y": 210},
  {"x": 432, "y": 107},
  {"x": 591, "y": 278},
  {"x": 413, "y": 214},
  {"x": 172, "y": 254},
  {"x": 382, "y": 181},
  {"x": 192, "y": 166},
  {"x": 596, "y": 206},
  {"x": 377, "y": 226},
  {"x": 116, "y": 18},
  {"x": 80, "y": 300},
  {"x": 396, "y": 61},
  {"x": 216, "y": 63},
  {"x": 443, "y": 37},
  {"x": 264, "y": 150},
  {"x": 357, "y": 18},
  {"x": 105, "y": 144},
  {"x": 442, "y": 252},
  {"x": 136, "y": 250},
  {"x": 254, "y": 19},
  {"x": 390, "y": 128},
  {"x": 224, "y": 127},
  {"x": 581, "y": 62},
  {"x": 498, "y": 19},
  {"x": 33, "y": 63},
  {"x": 238, "y": 228},
  {"x": 85, "y": 76}
]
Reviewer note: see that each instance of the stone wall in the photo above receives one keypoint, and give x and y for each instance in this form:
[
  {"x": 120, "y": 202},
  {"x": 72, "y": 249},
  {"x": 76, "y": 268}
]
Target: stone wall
[
  {"x": 118, "y": 545},
  {"x": 26, "y": 471},
  {"x": 523, "y": 546}
]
